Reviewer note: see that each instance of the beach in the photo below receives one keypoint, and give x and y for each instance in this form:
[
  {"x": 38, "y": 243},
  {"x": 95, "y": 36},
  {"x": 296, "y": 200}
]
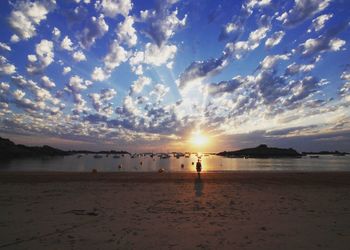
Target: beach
[{"x": 233, "y": 210}]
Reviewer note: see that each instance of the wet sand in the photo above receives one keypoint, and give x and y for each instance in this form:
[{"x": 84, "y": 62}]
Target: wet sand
[{"x": 242, "y": 210}]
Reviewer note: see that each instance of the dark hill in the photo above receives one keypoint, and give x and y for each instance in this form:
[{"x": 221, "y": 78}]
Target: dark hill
[
  {"x": 262, "y": 151},
  {"x": 9, "y": 150}
]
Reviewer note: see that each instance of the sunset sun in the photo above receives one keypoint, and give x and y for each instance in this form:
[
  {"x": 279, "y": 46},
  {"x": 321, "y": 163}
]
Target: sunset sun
[{"x": 199, "y": 139}]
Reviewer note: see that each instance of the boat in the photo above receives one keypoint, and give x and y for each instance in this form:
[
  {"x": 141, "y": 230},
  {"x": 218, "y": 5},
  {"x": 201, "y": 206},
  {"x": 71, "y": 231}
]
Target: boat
[
  {"x": 314, "y": 156},
  {"x": 97, "y": 156},
  {"x": 116, "y": 156},
  {"x": 164, "y": 156}
]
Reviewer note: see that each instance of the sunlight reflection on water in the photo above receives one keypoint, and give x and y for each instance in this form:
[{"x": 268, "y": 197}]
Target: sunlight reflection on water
[{"x": 210, "y": 163}]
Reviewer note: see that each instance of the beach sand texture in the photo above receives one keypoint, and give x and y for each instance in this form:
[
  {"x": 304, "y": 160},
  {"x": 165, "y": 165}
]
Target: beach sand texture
[{"x": 242, "y": 210}]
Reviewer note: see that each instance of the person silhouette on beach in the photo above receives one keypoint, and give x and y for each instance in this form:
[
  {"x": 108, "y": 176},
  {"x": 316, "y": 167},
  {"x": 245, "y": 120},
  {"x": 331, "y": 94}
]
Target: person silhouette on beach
[{"x": 199, "y": 168}]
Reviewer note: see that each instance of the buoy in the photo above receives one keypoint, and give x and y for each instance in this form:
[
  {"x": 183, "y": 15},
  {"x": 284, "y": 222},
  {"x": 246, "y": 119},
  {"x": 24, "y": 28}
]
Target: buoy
[
  {"x": 94, "y": 171},
  {"x": 140, "y": 162},
  {"x": 161, "y": 170},
  {"x": 120, "y": 166},
  {"x": 192, "y": 163},
  {"x": 182, "y": 165}
]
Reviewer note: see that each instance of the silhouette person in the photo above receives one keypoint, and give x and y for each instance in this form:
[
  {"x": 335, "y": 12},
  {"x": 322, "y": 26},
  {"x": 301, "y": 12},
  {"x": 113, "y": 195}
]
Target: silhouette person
[{"x": 199, "y": 168}]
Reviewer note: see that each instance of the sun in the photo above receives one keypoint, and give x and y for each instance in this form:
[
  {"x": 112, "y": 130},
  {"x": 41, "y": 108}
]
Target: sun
[{"x": 199, "y": 139}]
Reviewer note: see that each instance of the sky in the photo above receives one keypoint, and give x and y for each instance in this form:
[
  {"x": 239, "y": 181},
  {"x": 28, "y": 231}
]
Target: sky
[{"x": 152, "y": 75}]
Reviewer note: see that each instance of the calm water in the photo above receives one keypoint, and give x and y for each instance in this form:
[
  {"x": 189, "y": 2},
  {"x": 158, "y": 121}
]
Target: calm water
[{"x": 209, "y": 163}]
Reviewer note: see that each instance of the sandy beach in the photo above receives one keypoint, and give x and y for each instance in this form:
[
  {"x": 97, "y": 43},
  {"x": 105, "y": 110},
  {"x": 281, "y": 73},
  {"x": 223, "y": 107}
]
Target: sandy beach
[{"x": 241, "y": 210}]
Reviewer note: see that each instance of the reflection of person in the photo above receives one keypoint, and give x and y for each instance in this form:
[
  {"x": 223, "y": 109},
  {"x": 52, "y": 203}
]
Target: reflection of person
[
  {"x": 198, "y": 186},
  {"x": 199, "y": 167}
]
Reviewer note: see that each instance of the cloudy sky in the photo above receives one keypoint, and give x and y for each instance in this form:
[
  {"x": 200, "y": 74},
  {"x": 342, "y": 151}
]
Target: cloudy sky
[{"x": 147, "y": 75}]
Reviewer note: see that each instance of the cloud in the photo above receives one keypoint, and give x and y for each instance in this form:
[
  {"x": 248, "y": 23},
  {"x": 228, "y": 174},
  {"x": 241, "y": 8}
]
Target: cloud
[
  {"x": 251, "y": 4},
  {"x": 66, "y": 70},
  {"x": 112, "y": 8},
  {"x": 100, "y": 101},
  {"x": 139, "y": 84},
  {"x": 235, "y": 28},
  {"x": 76, "y": 84},
  {"x": 159, "y": 91},
  {"x": 116, "y": 55},
  {"x": 126, "y": 33},
  {"x": 159, "y": 55},
  {"x": 47, "y": 82},
  {"x": 275, "y": 39},
  {"x": 302, "y": 10},
  {"x": 79, "y": 56},
  {"x": 99, "y": 74},
  {"x": 321, "y": 44},
  {"x": 67, "y": 44},
  {"x": 43, "y": 58},
  {"x": 4, "y": 46},
  {"x": 201, "y": 69},
  {"x": 226, "y": 86},
  {"x": 345, "y": 89},
  {"x": 162, "y": 23},
  {"x": 56, "y": 33},
  {"x": 270, "y": 61},
  {"x": 27, "y": 15},
  {"x": 319, "y": 22},
  {"x": 5, "y": 67},
  {"x": 95, "y": 29},
  {"x": 240, "y": 48},
  {"x": 294, "y": 68}
]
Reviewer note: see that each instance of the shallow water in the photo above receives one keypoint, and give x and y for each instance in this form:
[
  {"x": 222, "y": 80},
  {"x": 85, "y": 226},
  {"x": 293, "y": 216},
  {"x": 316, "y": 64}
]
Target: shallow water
[{"x": 147, "y": 164}]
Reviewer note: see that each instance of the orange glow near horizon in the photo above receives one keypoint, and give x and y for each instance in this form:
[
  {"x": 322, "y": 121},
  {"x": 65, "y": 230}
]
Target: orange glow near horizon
[{"x": 198, "y": 139}]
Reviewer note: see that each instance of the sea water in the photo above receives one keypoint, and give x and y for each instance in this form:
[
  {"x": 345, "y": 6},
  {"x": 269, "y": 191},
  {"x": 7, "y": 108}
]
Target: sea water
[{"x": 211, "y": 163}]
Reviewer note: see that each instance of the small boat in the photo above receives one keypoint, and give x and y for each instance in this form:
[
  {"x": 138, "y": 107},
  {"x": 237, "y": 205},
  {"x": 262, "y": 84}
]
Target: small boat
[
  {"x": 97, "y": 156},
  {"x": 116, "y": 156},
  {"x": 314, "y": 156},
  {"x": 164, "y": 156},
  {"x": 79, "y": 156}
]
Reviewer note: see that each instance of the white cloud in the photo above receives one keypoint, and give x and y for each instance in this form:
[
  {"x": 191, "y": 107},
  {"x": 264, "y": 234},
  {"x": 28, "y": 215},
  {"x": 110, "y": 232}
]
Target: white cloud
[
  {"x": 66, "y": 70},
  {"x": 14, "y": 38},
  {"x": 302, "y": 10},
  {"x": 275, "y": 39},
  {"x": 47, "y": 82},
  {"x": 56, "y": 32},
  {"x": 238, "y": 49},
  {"x": 95, "y": 29},
  {"x": 4, "y": 46},
  {"x": 18, "y": 94},
  {"x": 77, "y": 84},
  {"x": 159, "y": 55},
  {"x": 5, "y": 67},
  {"x": 319, "y": 22},
  {"x": 159, "y": 91},
  {"x": 44, "y": 57},
  {"x": 99, "y": 74},
  {"x": 270, "y": 61},
  {"x": 294, "y": 68},
  {"x": 99, "y": 101},
  {"x": 111, "y": 8},
  {"x": 250, "y": 4},
  {"x": 126, "y": 32},
  {"x": 79, "y": 56},
  {"x": 163, "y": 25},
  {"x": 67, "y": 44},
  {"x": 139, "y": 84},
  {"x": 116, "y": 55},
  {"x": 321, "y": 44},
  {"x": 27, "y": 15}
]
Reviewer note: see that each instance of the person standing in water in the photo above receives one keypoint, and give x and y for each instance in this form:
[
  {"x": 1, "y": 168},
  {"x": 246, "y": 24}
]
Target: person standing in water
[{"x": 199, "y": 168}]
